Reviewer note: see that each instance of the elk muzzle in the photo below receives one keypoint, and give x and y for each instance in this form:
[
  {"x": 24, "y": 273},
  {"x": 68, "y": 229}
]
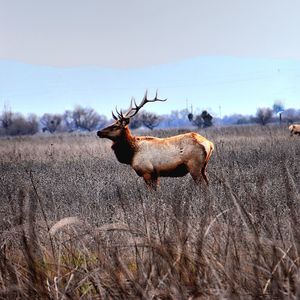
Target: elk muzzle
[{"x": 100, "y": 134}]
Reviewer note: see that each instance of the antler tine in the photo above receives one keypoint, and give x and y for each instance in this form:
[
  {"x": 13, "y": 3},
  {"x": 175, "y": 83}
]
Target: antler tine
[
  {"x": 131, "y": 108},
  {"x": 156, "y": 99},
  {"x": 120, "y": 114},
  {"x": 145, "y": 96},
  {"x": 143, "y": 102},
  {"x": 114, "y": 116},
  {"x": 152, "y": 100}
]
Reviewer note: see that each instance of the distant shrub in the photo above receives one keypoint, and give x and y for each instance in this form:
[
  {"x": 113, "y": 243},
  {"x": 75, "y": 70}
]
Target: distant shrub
[
  {"x": 83, "y": 118},
  {"x": 51, "y": 122},
  {"x": 19, "y": 125},
  {"x": 135, "y": 122},
  {"x": 150, "y": 120},
  {"x": 264, "y": 115},
  {"x": 203, "y": 120}
]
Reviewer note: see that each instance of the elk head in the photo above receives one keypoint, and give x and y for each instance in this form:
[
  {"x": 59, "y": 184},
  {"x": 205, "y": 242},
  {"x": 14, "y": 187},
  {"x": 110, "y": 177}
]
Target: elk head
[{"x": 119, "y": 127}]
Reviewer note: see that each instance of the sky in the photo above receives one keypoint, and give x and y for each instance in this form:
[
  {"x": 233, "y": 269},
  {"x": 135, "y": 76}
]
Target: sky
[{"x": 225, "y": 56}]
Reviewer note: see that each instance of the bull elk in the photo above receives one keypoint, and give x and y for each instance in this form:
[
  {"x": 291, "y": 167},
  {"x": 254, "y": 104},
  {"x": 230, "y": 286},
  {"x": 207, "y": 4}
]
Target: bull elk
[
  {"x": 153, "y": 157},
  {"x": 294, "y": 129}
]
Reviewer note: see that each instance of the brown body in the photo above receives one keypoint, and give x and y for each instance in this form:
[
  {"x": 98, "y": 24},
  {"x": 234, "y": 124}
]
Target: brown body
[
  {"x": 153, "y": 157},
  {"x": 294, "y": 129}
]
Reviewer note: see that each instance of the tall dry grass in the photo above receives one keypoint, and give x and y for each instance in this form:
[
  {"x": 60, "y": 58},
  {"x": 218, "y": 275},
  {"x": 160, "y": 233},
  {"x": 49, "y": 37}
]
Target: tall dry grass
[{"x": 76, "y": 224}]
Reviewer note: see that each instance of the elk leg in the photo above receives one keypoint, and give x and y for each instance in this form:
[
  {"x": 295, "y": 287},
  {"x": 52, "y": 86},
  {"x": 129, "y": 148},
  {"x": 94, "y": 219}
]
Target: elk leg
[
  {"x": 197, "y": 172},
  {"x": 197, "y": 178},
  {"x": 196, "y": 175},
  {"x": 150, "y": 180},
  {"x": 203, "y": 169}
]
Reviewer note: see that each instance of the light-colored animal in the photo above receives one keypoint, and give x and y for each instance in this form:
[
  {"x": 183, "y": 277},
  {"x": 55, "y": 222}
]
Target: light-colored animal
[
  {"x": 294, "y": 129},
  {"x": 153, "y": 157}
]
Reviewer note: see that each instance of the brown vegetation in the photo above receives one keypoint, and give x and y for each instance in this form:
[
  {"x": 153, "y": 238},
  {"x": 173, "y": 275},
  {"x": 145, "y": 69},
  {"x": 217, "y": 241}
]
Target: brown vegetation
[{"x": 77, "y": 224}]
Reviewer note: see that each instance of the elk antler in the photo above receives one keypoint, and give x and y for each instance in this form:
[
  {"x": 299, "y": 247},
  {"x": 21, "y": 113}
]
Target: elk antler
[
  {"x": 114, "y": 116},
  {"x": 132, "y": 111},
  {"x": 120, "y": 115}
]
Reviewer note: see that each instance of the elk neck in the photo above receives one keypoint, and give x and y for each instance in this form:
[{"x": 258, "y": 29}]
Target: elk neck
[{"x": 125, "y": 146}]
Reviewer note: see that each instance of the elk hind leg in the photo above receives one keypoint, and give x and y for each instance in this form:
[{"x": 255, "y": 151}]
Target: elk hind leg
[
  {"x": 203, "y": 170},
  {"x": 195, "y": 171}
]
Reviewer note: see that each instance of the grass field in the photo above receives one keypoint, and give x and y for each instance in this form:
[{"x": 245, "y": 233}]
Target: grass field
[{"x": 77, "y": 224}]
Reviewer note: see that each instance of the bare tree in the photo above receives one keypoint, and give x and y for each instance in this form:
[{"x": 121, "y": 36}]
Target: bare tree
[
  {"x": 16, "y": 124},
  {"x": 264, "y": 115},
  {"x": 202, "y": 120},
  {"x": 190, "y": 117},
  {"x": 21, "y": 125},
  {"x": 136, "y": 122},
  {"x": 150, "y": 120},
  {"x": 207, "y": 118},
  {"x": 197, "y": 121},
  {"x": 177, "y": 118},
  {"x": 6, "y": 118},
  {"x": 83, "y": 119},
  {"x": 51, "y": 122},
  {"x": 68, "y": 120},
  {"x": 278, "y": 107},
  {"x": 32, "y": 124},
  {"x": 291, "y": 115}
]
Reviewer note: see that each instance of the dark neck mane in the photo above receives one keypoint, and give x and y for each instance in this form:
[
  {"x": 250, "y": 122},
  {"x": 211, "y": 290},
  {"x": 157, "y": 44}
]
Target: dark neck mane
[{"x": 124, "y": 147}]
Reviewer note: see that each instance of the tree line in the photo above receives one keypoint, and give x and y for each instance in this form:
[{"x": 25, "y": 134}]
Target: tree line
[
  {"x": 87, "y": 119},
  {"x": 78, "y": 119}
]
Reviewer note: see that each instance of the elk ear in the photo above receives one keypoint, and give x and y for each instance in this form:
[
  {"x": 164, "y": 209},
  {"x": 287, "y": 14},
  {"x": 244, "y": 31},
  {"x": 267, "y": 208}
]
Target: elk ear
[{"x": 125, "y": 121}]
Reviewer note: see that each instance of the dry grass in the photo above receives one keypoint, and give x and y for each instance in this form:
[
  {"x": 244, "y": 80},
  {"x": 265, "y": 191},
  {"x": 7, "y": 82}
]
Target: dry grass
[{"x": 76, "y": 224}]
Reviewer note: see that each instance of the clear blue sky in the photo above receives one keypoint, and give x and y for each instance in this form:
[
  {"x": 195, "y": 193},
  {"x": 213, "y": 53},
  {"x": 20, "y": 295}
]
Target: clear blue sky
[{"x": 233, "y": 54}]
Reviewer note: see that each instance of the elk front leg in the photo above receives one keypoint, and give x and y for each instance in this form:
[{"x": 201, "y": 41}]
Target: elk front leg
[{"x": 151, "y": 180}]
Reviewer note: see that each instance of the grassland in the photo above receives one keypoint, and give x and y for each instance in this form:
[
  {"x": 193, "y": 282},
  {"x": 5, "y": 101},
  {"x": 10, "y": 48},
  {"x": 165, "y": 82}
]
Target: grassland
[{"x": 77, "y": 224}]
